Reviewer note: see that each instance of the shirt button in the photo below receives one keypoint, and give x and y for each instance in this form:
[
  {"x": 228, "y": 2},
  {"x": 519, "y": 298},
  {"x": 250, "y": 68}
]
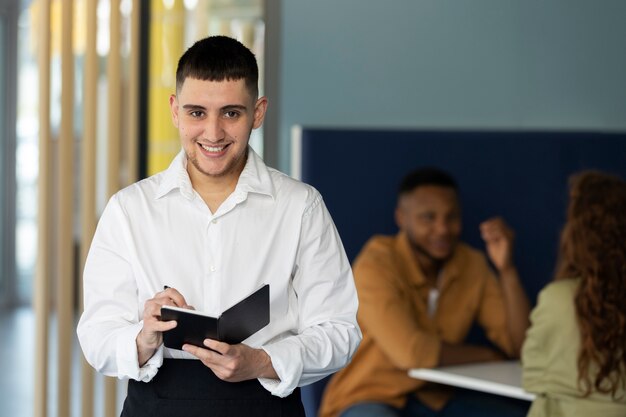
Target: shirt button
[
  {"x": 212, "y": 268},
  {"x": 214, "y": 221}
]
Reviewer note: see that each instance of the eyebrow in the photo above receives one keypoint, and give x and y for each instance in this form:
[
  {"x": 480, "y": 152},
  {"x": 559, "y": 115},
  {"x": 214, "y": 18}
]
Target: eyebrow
[
  {"x": 240, "y": 107},
  {"x": 226, "y": 107},
  {"x": 193, "y": 107}
]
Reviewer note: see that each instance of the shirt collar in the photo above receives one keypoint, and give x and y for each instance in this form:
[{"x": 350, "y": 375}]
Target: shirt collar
[
  {"x": 176, "y": 176},
  {"x": 255, "y": 177}
]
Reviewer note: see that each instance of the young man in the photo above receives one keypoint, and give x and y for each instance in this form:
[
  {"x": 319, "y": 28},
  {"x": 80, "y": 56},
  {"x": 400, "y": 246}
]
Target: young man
[
  {"x": 419, "y": 294},
  {"x": 212, "y": 228}
]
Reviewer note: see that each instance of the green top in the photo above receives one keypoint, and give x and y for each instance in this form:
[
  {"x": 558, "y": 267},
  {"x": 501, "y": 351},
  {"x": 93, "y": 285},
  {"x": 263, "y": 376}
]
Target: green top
[{"x": 550, "y": 357}]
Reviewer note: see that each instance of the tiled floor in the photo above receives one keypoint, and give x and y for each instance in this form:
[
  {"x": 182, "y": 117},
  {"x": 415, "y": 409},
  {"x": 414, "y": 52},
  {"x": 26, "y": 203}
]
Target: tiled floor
[{"x": 17, "y": 340}]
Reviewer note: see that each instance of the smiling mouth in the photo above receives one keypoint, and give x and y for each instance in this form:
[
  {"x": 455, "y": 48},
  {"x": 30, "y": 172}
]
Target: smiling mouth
[
  {"x": 213, "y": 149},
  {"x": 445, "y": 245}
]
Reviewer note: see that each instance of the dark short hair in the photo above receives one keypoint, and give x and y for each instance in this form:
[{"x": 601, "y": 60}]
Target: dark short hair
[
  {"x": 219, "y": 58},
  {"x": 426, "y": 176}
]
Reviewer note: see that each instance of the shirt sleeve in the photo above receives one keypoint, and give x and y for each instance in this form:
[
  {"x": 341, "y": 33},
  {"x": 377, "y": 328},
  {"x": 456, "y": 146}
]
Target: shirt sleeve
[
  {"x": 328, "y": 333},
  {"x": 541, "y": 346},
  {"x": 388, "y": 311},
  {"x": 492, "y": 313},
  {"x": 110, "y": 322}
]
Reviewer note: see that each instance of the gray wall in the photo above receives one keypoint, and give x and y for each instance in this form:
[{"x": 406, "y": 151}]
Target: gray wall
[{"x": 487, "y": 64}]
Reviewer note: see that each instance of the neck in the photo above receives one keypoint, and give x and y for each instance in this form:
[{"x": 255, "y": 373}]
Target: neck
[
  {"x": 430, "y": 266},
  {"x": 205, "y": 184},
  {"x": 214, "y": 197},
  {"x": 214, "y": 190}
]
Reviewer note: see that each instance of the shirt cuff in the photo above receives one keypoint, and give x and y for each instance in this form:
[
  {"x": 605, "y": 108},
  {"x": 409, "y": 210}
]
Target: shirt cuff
[
  {"x": 288, "y": 367},
  {"x": 127, "y": 360}
]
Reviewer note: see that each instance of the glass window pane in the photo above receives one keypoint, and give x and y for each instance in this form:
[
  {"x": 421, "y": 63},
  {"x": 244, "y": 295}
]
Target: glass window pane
[{"x": 26, "y": 158}]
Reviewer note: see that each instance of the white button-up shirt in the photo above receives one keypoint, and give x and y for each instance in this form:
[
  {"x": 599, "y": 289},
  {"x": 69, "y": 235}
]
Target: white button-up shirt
[{"x": 271, "y": 229}]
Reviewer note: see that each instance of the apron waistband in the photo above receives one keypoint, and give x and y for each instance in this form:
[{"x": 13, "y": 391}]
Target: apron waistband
[{"x": 188, "y": 388}]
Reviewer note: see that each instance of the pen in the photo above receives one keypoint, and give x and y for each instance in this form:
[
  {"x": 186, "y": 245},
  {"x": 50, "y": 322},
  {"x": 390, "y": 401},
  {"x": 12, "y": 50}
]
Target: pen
[{"x": 165, "y": 287}]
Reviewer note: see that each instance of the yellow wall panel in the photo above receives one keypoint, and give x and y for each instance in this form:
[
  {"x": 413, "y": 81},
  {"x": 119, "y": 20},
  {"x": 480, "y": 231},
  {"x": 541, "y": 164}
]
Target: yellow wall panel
[{"x": 166, "y": 46}]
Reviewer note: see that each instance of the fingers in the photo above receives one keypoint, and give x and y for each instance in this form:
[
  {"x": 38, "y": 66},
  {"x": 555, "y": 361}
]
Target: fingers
[
  {"x": 150, "y": 337},
  {"x": 200, "y": 353},
  {"x": 495, "y": 229},
  {"x": 152, "y": 310},
  {"x": 228, "y": 362},
  {"x": 150, "y": 334},
  {"x": 167, "y": 297},
  {"x": 498, "y": 239},
  {"x": 152, "y": 317},
  {"x": 220, "y": 347},
  {"x": 171, "y": 296},
  {"x": 233, "y": 363},
  {"x": 211, "y": 358},
  {"x": 213, "y": 347}
]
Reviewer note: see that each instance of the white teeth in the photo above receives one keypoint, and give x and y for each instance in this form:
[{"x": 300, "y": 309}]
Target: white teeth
[{"x": 212, "y": 148}]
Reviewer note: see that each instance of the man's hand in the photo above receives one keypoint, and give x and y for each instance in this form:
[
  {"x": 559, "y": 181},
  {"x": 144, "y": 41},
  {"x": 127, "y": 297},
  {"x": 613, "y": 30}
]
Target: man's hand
[
  {"x": 151, "y": 335},
  {"x": 498, "y": 238},
  {"x": 233, "y": 363}
]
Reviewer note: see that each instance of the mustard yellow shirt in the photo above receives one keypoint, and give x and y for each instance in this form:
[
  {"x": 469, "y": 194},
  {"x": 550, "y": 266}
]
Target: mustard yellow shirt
[
  {"x": 550, "y": 360},
  {"x": 399, "y": 334}
]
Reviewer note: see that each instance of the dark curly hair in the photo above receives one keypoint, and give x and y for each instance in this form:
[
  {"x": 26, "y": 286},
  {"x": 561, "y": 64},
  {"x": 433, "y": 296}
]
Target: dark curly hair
[{"x": 593, "y": 248}]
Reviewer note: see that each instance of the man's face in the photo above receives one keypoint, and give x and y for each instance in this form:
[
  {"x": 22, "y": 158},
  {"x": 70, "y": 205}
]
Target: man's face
[
  {"x": 430, "y": 216},
  {"x": 214, "y": 120}
]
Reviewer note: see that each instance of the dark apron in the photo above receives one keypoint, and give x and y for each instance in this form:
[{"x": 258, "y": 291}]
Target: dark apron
[{"x": 187, "y": 388}]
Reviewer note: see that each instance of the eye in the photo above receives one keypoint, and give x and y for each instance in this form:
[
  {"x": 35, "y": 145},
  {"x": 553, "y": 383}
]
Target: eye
[
  {"x": 231, "y": 114},
  {"x": 196, "y": 114},
  {"x": 427, "y": 217}
]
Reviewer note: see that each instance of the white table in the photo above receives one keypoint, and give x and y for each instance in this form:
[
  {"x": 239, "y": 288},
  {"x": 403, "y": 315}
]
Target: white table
[{"x": 502, "y": 378}]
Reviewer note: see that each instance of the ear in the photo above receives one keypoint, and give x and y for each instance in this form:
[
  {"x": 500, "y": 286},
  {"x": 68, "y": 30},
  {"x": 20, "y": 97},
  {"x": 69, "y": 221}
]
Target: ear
[
  {"x": 174, "y": 109},
  {"x": 259, "y": 112}
]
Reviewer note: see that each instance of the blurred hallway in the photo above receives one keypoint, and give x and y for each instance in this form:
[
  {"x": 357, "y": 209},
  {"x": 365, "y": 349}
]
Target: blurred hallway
[{"x": 17, "y": 338}]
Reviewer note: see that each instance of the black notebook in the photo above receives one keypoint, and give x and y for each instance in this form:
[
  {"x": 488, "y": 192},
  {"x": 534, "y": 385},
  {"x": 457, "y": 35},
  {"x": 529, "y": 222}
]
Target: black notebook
[{"x": 233, "y": 326}]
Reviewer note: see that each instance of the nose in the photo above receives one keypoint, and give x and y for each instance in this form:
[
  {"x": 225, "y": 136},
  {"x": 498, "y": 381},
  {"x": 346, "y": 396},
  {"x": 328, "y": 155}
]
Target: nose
[
  {"x": 213, "y": 129},
  {"x": 442, "y": 226}
]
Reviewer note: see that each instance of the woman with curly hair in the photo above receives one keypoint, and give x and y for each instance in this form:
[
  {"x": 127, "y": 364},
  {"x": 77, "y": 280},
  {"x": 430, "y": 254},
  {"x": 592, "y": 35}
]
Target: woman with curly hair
[{"x": 574, "y": 355}]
